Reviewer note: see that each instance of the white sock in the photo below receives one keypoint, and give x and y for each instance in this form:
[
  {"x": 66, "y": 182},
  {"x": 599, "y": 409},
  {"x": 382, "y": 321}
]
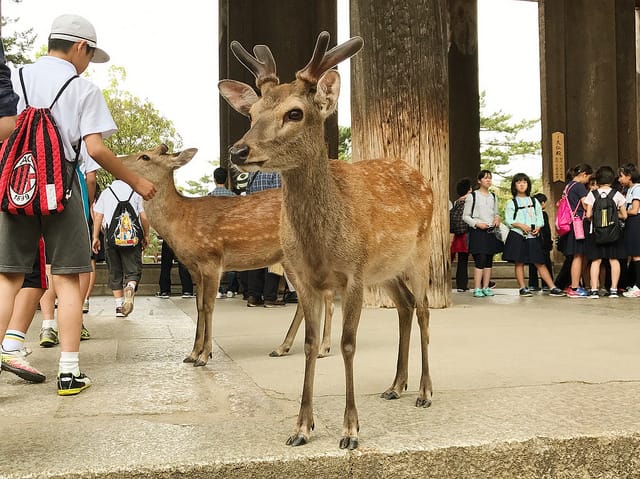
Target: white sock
[
  {"x": 119, "y": 302},
  {"x": 50, "y": 323},
  {"x": 13, "y": 340},
  {"x": 132, "y": 284},
  {"x": 69, "y": 363}
]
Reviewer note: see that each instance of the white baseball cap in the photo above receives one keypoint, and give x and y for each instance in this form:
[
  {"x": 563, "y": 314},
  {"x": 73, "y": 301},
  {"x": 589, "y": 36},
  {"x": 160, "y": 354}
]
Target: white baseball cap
[{"x": 76, "y": 28}]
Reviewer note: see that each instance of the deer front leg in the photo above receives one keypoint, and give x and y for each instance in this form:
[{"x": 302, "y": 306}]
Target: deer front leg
[
  {"x": 352, "y": 308},
  {"x": 200, "y": 325},
  {"x": 311, "y": 304},
  {"x": 325, "y": 347},
  {"x": 291, "y": 334},
  {"x": 206, "y": 300}
]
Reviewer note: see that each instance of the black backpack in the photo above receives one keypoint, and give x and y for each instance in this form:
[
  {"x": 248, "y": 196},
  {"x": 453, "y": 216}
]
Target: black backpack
[
  {"x": 124, "y": 229},
  {"x": 606, "y": 224},
  {"x": 456, "y": 224}
]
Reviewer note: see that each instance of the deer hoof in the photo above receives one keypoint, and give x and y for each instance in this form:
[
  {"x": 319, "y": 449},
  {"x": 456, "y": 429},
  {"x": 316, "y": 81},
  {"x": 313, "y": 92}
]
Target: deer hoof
[
  {"x": 349, "y": 443},
  {"x": 199, "y": 363},
  {"x": 422, "y": 402},
  {"x": 276, "y": 353},
  {"x": 324, "y": 353},
  {"x": 390, "y": 394},
  {"x": 189, "y": 359},
  {"x": 297, "y": 440}
]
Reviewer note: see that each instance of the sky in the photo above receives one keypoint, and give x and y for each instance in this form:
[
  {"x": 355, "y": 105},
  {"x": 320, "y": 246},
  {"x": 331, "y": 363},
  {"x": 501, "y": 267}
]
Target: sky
[{"x": 171, "y": 58}]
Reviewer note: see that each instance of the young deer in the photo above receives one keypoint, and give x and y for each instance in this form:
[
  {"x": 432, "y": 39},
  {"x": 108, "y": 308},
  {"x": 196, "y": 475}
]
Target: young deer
[
  {"x": 211, "y": 234},
  {"x": 344, "y": 226}
]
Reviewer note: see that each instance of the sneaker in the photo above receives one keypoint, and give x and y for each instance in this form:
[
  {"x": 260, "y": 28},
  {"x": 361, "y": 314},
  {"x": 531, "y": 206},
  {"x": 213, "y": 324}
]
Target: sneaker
[
  {"x": 230, "y": 294},
  {"x": 219, "y": 295},
  {"x": 127, "y": 306},
  {"x": 632, "y": 293},
  {"x": 613, "y": 293},
  {"x": 594, "y": 294},
  {"x": 576, "y": 293},
  {"x": 492, "y": 284},
  {"x": 15, "y": 362},
  {"x": 488, "y": 292},
  {"x": 274, "y": 304},
  {"x": 462, "y": 290},
  {"x": 253, "y": 302},
  {"x": 85, "y": 306},
  {"x": 545, "y": 289},
  {"x": 48, "y": 337},
  {"x": 478, "y": 293},
  {"x": 119, "y": 313},
  {"x": 525, "y": 292},
  {"x": 68, "y": 384},
  {"x": 292, "y": 297},
  {"x": 163, "y": 295},
  {"x": 84, "y": 334},
  {"x": 186, "y": 294},
  {"x": 556, "y": 292},
  {"x": 533, "y": 289}
]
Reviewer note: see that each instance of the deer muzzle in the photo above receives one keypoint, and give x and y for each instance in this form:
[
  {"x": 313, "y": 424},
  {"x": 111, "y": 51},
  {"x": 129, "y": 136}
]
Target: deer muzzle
[{"x": 238, "y": 154}]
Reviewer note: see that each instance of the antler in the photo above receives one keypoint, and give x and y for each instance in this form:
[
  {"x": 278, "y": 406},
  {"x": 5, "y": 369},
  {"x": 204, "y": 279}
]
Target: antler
[
  {"x": 323, "y": 60},
  {"x": 263, "y": 66}
]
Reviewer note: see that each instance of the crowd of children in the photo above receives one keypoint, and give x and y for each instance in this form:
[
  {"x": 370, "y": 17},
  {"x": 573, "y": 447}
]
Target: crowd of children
[{"x": 601, "y": 245}]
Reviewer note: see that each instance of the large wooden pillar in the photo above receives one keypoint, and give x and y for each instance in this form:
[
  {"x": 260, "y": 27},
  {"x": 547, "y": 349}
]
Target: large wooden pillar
[
  {"x": 289, "y": 28},
  {"x": 588, "y": 85},
  {"x": 464, "y": 96}
]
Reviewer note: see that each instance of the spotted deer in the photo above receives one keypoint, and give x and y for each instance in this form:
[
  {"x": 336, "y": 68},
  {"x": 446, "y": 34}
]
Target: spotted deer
[
  {"x": 212, "y": 234},
  {"x": 344, "y": 226}
]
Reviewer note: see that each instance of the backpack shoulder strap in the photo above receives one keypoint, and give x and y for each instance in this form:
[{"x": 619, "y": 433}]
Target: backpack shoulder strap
[
  {"x": 63, "y": 88},
  {"x": 515, "y": 208},
  {"x": 473, "y": 203},
  {"x": 130, "y": 196},
  {"x": 114, "y": 194},
  {"x": 24, "y": 90}
]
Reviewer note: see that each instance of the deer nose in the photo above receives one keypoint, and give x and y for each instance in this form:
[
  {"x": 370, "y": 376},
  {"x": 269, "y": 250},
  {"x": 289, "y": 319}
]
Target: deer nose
[{"x": 239, "y": 154}]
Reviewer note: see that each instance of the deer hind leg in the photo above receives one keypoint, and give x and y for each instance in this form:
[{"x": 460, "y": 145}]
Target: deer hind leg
[
  {"x": 291, "y": 334},
  {"x": 418, "y": 282},
  {"x": 311, "y": 303},
  {"x": 404, "y": 301},
  {"x": 351, "y": 310},
  {"x": 325, "y": 347}
]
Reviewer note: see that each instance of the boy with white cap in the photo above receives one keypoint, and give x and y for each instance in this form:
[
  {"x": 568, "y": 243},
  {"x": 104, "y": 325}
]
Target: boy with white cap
[{"x": 82, "y": 116}]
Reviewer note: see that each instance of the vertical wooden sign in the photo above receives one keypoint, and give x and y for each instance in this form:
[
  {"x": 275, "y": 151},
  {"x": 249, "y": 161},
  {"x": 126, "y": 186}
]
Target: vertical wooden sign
[{"x": 557, "y": 159}]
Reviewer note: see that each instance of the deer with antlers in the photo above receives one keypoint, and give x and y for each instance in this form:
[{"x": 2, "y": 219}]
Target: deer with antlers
[
  {"x": 344, "y": 226},
  {"x": 210, "y": 235}
]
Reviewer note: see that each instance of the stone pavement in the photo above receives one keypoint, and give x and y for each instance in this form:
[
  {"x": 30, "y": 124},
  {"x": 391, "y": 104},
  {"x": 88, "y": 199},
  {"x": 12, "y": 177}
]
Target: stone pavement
[{"x": 524, "y": 387}]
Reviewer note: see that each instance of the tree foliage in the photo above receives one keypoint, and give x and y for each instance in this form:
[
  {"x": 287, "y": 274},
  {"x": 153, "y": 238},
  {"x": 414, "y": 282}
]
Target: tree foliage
[
  {"x": 140, "y": 125},
  {"x": 18, "y": 44},
  {"x": 344, "y": 143},
  {"x": 500, "y": 138}
]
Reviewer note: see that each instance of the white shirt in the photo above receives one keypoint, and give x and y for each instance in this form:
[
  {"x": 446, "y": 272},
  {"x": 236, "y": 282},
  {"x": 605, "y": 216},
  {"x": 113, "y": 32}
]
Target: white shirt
[
  {"x": 80, "y": 110},
  {"x": 107, "y": 202}
]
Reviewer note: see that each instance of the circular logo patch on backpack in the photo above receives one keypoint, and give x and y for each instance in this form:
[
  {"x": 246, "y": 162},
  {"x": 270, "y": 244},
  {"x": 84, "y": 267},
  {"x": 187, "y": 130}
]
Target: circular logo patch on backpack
[{"x": 23, "y": 181}]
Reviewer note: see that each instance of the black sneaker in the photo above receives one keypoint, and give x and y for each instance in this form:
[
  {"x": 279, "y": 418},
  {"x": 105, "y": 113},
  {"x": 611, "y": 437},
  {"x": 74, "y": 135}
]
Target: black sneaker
[
  {"x": 253, "y": 302},
  {"x": 274, "y": 304},
  {"x": 594, "y": 294},
  {"x": 556, "y": 292},
  {"x": 525, "y": 292},
  {"x": 163, "y": 295},
  {"x": 492, "y": 284},
  {"x": 68, "y": 384}
]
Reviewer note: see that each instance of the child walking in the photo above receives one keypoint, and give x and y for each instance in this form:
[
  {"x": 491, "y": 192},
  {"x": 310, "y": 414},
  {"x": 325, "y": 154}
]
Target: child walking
[
  {"x": 481, "y": 214},
  {"x": 610, "y": 250},
  {"x": 629, "y": 177},
  {"x": 523, "y": 216}
]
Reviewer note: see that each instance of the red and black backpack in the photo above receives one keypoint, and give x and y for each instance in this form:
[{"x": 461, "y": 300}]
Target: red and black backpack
[{"x": 35, "y": 178}]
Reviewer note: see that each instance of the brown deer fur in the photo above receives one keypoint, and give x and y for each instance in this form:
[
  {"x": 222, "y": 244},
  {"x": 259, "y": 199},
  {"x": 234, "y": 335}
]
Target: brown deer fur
[
  {"x": 212, "y": 234},
  {"x": 344, "y": 226}
]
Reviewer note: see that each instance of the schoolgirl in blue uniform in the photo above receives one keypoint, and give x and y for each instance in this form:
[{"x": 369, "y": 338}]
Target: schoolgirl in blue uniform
[
  {"x": 629, "y": 177},
  {"x": 523, "y": 216},
  {"x": 576, "y": 190}
]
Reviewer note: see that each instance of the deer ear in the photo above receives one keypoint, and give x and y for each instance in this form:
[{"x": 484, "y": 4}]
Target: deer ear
[
  {"x": 328, "y": 91},
  {"x": 239, "y": 95},
  {"x": 181, "y": 158}
]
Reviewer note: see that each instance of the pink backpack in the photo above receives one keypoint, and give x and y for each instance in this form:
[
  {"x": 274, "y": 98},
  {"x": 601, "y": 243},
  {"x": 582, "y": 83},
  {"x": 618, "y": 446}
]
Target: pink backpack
[{"x": 564, "y": 214}]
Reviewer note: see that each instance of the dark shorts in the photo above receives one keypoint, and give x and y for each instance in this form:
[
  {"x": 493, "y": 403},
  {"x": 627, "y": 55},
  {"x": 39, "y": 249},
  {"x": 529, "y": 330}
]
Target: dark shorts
[
  {"x": 66, "y": 237},
  {"x": 124, "y": 265},
  {"x": 38, "y": 277}
]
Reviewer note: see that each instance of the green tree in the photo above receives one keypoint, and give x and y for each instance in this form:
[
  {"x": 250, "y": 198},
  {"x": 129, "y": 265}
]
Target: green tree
[
  {"x": 17, "y": 44},
  {"x": 344, "y": 143},
  {"x": 500, "y": 138},
  {"x": 140, "y": 125}
]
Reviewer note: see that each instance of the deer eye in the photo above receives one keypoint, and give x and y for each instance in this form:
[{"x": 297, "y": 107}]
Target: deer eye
[
  {"x": 144, "y": 158},
  {"x": 293, "y": 115}
]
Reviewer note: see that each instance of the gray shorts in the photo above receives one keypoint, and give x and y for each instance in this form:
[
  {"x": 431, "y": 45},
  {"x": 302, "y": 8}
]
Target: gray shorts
[
  {"x": 124, "y": 265},
  {"x": 66, "y": 237}
]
